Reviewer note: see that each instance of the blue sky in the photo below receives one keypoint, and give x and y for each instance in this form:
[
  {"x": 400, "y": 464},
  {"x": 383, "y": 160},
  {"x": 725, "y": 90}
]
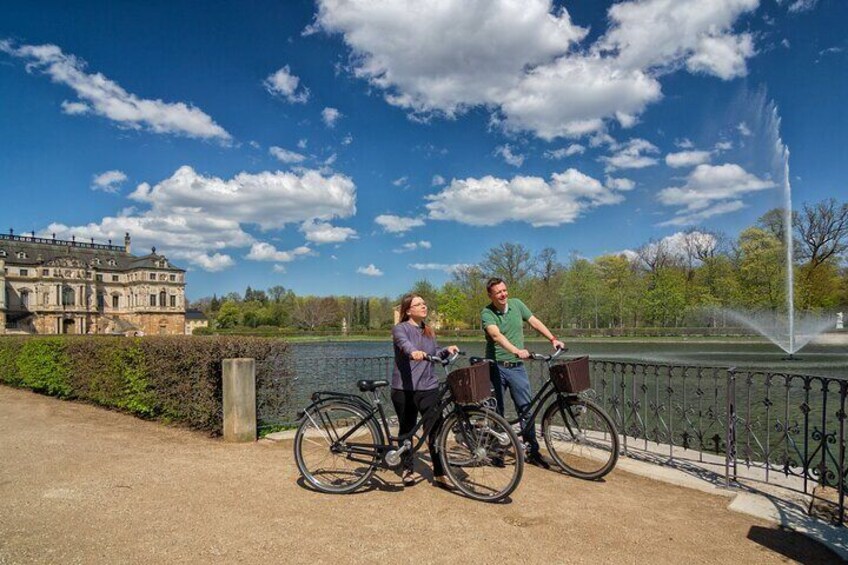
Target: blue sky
[{"x": 353, "y": 147}]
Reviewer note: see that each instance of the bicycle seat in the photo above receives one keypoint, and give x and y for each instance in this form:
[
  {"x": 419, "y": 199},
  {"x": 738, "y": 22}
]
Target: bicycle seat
[{"x": 368, "y": 386}]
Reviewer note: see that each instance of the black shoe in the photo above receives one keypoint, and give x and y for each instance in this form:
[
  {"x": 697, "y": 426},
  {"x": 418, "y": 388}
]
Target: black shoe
[
  {"x": 497, "y": 461},
  {"x": 536, "y": 459}
]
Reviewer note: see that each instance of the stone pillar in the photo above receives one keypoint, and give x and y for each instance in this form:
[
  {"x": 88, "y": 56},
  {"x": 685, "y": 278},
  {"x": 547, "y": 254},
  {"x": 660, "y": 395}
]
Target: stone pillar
[{"x": 239, "y": 399}]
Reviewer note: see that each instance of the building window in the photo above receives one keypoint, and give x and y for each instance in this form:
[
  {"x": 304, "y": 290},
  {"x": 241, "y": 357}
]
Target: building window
[
  {"x": 101, "y": 301},
  {"x": 153, "y": 300},
  {"x": 112, "y": 262},
  {"x": 45, "y": 272},
  {"x": 153, "y": 276},
  {"x": 173, "y": 277},
  {"x": 115, "y": 301},
  {"x": 99, "y": 278},
  {"x": 25, "y": 298},
  {"x": 2, "y": 253},
  {"x": 21, "y": 255},
  {"x": 114, "y": 278},
  {"x": 173, "y": 301},
  {"x": 68, "y": 296},
  {"x": 24, "y": 272},
  {"x": 163, "y": 298}
]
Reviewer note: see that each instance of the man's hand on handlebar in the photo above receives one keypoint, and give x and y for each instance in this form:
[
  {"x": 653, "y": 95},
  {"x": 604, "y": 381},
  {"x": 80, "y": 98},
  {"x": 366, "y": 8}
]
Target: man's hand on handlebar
[
  {"x": 558, "y": 344},
  {"x": 523, "y": 354}
]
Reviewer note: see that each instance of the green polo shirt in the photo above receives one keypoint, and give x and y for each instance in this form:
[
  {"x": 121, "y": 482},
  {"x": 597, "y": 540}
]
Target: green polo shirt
[{"x": 511, "y": 324}]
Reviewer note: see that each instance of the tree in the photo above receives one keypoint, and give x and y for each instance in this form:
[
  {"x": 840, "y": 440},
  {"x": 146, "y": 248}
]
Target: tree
[
  {"x": 452, "y": 306},
  {"x": 471, "y": 281},
  {"x": 277, "y": 293},
  {"x": 822, "y": 231},
  {"x": 621, "y": 285},
  {"x": 311, "y": 312},
  {"x": 228, "y": 315},
  {"x": 665, "y": 300},
  {"x": 762, "y": 267},
  {"x": 509, "y": 261}
]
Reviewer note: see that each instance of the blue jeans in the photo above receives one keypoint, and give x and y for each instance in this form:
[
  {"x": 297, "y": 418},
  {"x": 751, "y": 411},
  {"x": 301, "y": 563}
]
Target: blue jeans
[{"x": 518, "y": 383}]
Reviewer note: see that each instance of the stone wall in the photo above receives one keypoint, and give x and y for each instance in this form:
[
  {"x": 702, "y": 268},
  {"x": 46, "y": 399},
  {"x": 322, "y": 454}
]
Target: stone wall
[{"x": 158, "y": 323}]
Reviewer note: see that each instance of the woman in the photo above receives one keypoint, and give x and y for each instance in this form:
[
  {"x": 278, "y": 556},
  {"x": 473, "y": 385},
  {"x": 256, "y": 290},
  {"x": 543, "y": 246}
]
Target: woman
[{"x": 414, "y": 383}]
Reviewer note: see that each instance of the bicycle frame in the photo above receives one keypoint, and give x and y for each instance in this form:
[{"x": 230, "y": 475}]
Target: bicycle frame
[
  {"x": 375, "y": 410},
  {"x": 540, "y": 400}
]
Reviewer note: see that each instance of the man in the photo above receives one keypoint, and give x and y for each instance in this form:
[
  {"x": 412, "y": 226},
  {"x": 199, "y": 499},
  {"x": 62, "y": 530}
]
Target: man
[{"x": 503, "y": 324}]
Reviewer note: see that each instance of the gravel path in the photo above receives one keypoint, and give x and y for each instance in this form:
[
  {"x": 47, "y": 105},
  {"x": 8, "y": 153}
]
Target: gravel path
[{"x": 79, "y": 484}]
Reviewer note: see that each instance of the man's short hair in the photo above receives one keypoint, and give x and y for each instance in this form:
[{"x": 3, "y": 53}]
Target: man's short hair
[{"x": 494, "y": 281}]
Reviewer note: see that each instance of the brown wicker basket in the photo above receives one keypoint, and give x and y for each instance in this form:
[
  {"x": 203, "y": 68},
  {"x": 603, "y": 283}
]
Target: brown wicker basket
[
  {"x": 572, "y": 376},
  {"x": 471, "y": 385}
]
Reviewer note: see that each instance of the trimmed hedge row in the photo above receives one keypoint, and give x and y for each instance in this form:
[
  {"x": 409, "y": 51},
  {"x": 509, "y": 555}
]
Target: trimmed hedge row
[{"x": 168, "y": 378}]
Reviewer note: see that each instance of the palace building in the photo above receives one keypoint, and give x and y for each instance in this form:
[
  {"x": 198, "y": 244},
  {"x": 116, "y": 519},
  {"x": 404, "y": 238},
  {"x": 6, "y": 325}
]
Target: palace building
[{"x": 54, "y": 286}]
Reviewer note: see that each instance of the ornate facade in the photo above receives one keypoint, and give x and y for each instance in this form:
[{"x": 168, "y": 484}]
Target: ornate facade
[{"x": 54, "y": 286}]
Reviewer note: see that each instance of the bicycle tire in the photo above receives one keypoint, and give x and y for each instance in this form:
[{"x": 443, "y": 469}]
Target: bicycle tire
[
  {"x": 487, "y": 463},
  {"x": 316, "y": 442},
  {"x": 580, "y": 437}
]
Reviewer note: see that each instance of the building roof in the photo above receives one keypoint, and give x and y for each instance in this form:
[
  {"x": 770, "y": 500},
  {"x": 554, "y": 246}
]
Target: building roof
[
  {"x": 194, "y": 315},
  {"x": 35, "y": 251}
]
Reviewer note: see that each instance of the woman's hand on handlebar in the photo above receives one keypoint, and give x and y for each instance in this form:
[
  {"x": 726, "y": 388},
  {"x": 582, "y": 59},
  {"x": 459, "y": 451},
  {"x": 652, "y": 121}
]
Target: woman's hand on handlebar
[
  {"x": 452, "y": 349},
  {"x": 419, "y": 355}
]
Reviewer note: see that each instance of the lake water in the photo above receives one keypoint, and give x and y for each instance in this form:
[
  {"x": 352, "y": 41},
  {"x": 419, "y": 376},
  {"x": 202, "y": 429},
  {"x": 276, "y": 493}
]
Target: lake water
[{"x": 820, "y": 360}]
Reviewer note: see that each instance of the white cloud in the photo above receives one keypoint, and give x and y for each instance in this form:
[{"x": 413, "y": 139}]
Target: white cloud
[
  {"x": 279, "y": 269},
  {"x": 514, "y": 159},
  {"x": 322, "y": 232},
  {"x": 370, "y": 271},
  {"x": 109, "y": 181},
  {"x": 744, "y": 130},
  {"x": 447, "y": 268},
  {"x": 397, "y": 224},
  {"x": 330, "y": 116},
  {"x": 684, "y": 143},
  {"x": 269, "y": 199},
  {"x": 802, "y": 6},
  {"x": 438, "y": 180},
  {"x": 687, "y": 158},
  {"x": 413, "y": 245},
  {"x": 619, "y": 183},
  {"x": 301, "y": 143},
  {"x": 212, "y": 263},
  {"x": 489, "y": 201},
  {"x": 563, "y": 152},
  {"x": 631, "y": 155},
  {"x": 724, "y": 56},
  {"x": 284, "y": 84},
  {"x": 402, "y": 181},
  {"x": 262, "y": 251},
  {"x": 75, "y": 108},
  {"x": 722, "y": 146},
  {"x": 711, "y": 190},
  {"x": 347, "y": 140},
  {"x": 103, "y": 97},
  {"x": 286, "y": 156},
  {"x": 195, "y": 218},
  {"x": 522, "y": 60}
]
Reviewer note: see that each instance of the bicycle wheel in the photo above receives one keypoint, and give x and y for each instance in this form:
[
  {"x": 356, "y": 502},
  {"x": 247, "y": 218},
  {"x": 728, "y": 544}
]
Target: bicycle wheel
[
  {"x": 580, "y": 437},
  {"x": 481, "y": 454},
  {"x": 328, "y": 462}
]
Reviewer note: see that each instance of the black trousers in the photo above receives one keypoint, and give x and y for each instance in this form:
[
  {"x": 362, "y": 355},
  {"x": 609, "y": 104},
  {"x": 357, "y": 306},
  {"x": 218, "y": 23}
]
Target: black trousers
[{"x": 408, "y": 404}]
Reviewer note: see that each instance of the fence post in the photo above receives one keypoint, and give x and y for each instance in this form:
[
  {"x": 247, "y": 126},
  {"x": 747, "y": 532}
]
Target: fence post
[
  {"x": 731, "y": 426},
  {"x": 239, "y": 388}
]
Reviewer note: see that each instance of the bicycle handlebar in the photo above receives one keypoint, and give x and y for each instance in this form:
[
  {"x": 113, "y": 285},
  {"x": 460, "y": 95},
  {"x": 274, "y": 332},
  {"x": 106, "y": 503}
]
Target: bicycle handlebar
[
  {"x": 540, "y": 357},
  {"x": 444, "y": 362}
]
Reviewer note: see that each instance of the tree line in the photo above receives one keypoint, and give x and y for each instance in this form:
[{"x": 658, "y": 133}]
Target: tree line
[{"x": 686, "y": 281}]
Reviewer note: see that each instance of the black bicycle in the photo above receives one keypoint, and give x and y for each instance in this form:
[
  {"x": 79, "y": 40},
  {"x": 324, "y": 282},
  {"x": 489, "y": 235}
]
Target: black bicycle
[
  {"x": 343, "y": 438},
  {"x": 579, "y": 435}
]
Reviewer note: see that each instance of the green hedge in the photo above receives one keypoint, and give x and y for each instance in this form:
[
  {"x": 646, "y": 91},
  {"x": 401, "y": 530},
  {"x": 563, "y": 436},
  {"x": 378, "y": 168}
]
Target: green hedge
[{"x": 169, "y": 378}]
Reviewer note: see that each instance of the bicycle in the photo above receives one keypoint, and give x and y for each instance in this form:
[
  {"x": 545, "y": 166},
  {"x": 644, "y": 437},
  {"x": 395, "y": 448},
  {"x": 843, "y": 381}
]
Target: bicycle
[
  {"x": 342, "y": 438},
  {"x": 579, "y": 435}
]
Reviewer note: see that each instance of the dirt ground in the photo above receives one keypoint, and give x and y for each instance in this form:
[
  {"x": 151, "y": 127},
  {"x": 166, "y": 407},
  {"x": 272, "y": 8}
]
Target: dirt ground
[{"x": 79, "y": 484}]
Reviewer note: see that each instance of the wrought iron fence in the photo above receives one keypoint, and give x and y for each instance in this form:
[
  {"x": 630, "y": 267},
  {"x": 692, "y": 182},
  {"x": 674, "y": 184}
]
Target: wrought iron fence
[{"x": 780, "y": 424}]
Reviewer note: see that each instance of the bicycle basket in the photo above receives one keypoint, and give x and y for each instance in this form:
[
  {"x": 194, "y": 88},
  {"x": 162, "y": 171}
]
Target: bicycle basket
[
  {"x": 572, "y": 376},
  {"x": 470, "y": 385}
]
